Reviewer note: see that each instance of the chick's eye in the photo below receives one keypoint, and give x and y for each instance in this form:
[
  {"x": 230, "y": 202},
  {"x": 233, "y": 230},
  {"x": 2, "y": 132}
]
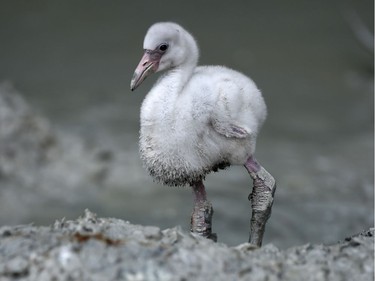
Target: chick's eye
[{"x": 163, "y": 47}]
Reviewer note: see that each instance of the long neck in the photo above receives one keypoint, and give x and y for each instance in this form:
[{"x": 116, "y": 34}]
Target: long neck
[
  {"x": 160, "y": 102},
  {"x": 181, "y": 74},
  {"x": 175, "y": 79}
]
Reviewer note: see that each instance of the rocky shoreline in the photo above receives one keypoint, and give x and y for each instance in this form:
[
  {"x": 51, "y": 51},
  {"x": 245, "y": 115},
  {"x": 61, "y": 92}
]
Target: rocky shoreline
[{"x": 92, "y": 248}]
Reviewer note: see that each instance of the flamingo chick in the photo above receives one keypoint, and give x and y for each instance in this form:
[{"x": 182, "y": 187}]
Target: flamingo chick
[{"x": 198, "y": 119}]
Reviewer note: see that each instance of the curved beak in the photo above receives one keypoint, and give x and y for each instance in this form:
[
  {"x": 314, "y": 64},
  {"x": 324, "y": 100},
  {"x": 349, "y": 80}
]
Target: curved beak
[{"x": 149, "y": 64}]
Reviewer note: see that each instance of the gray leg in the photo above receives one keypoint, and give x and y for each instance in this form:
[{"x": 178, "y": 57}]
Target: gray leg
[
  {"x": 201, "y": 218},
  {"x": 261, "y": 198}
]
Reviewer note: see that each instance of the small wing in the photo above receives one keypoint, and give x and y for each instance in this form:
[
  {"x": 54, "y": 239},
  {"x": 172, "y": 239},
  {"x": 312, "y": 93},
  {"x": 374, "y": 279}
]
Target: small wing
[{"x": 230, "y": 130}]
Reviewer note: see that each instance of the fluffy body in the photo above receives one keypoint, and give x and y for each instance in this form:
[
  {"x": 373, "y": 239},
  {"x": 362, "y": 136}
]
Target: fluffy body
[{"x": 196, "y": 119}]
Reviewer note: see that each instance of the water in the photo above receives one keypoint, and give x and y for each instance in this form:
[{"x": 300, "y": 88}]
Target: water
[{"x": 73, "y": 62}]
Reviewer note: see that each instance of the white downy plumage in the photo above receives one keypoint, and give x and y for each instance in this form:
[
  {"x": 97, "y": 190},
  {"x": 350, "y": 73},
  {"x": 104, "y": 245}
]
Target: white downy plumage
[{"x": 195, "y": 119}]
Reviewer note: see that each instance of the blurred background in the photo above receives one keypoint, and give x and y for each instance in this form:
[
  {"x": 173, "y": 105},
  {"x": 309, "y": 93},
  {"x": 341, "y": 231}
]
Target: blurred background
[{"x": 72, "y": 62}]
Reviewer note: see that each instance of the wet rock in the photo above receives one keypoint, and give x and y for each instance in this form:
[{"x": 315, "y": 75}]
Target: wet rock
[
  {"x": 92, "y": 248},
  {"x": 16, "y": 267}
]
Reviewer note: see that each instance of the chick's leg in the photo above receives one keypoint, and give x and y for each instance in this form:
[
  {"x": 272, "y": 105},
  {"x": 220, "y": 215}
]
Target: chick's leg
[
  {"x": 201, "y": 218},
  {"x": 261, "y": 198}
]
